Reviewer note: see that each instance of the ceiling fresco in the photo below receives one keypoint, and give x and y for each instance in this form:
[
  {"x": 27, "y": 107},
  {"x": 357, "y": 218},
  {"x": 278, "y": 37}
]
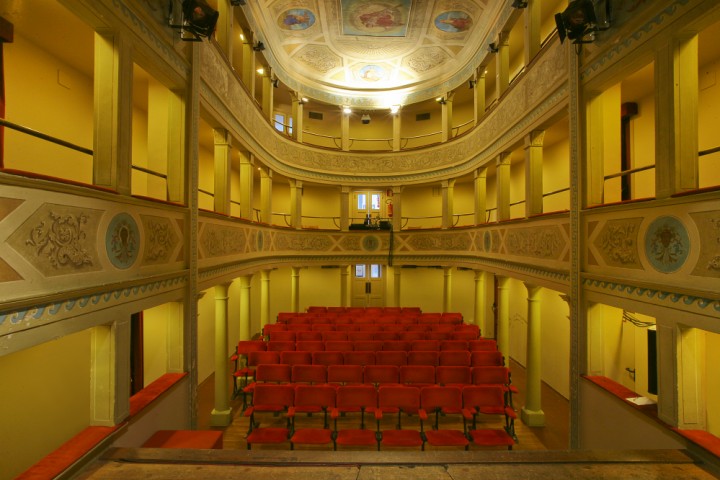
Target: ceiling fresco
[{"x": 373, "y": 53}]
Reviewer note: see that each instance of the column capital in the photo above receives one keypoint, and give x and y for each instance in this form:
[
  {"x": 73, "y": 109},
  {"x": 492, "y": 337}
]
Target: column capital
[
  {"x": 535, "y": 138},
  {"x": 503, "y": 159},
  {"x": 532, "y": 289},
  {"x": 480, "y": 173}
]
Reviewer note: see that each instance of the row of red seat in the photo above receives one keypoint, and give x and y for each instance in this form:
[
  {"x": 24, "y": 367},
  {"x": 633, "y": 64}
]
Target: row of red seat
[
  {"x": 472, "y": 331},
  {"x": 352, "y": 399},
  {"x": 375, "y": 345},
  {"x": 408, "y": 318}
]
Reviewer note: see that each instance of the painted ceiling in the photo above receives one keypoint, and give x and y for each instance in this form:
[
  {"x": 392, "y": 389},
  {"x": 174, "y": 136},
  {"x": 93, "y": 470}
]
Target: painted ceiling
[{"x": 373, "y": 53}]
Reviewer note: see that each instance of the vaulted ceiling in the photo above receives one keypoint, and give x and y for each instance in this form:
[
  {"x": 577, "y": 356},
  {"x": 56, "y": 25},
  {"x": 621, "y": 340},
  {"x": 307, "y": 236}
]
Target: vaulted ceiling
[{"x": 373, "y": 53}]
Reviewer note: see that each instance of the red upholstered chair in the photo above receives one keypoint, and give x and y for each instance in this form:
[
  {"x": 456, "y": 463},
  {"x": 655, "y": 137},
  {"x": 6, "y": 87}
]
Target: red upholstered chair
[
  {"x": 486, "y": 357},
  {"x": 488, "y": 400},
  {"x": 439, "y": 336},
  {"x": 453, "y": 376},
  {"x": 386, "y": 335},
  {"x": 482, "y": 344},
  {"x": 310, "y": 374},
  {"x": 295, "y": 357},
  {"x": 242, "y": 369},
  {"x": 396, "y": 345},
  {"x": 298, "y": 327},
  {"x": 411, "y": 336},
  {"x": 362, "y": 336},
  {"x": 328, "y": 358},
  {"x": 425, "y": 345},
  {"x": 311, "y": 399},
  {"x": 345, "y": 374},
  {"x": 455, "y": 358},
  {"x": 308, "y": 336},
  {"x": 427, "y": 318},
  {"x": 334, "y": 336},
  {"x": 445, "y": 400},
  {"x": 391, "y": 357},
  {"x": 407, "y": 319},
  {"x": 273, "y": 327},
  {"x": 359, "y": 358},
  {"x": 423, "y": 357},
  {"x": 368, "y": 345},
  {"x": 417, "y": 375},
  {"x": 454, "y": 318},
  {"x": 280, "y": 345},
  {"x": 256, "y": 358},
  {"x": 310, "y": 345},
  {"x": 269, "y": 398},
  {"x": 378, "y": 375},
  {"x": 350, "y": 399},
  {"x": 339, "y": 345},
  {"x": 494, "y": 375},
  {"x": 466, "y": 335},
  {"x": 400, "y": 400},
  {"x": 453, "y": 345},
  {"x": 323, "y": 327},
  {"x": 272, "y": 373},
  {"x": 472, "y": 331},
  {"x": 281, "y": 336},
  {"x": 299, "y": 319},
  {"x": 418, "y": 327},
  {"x": 283, "y": 317}
]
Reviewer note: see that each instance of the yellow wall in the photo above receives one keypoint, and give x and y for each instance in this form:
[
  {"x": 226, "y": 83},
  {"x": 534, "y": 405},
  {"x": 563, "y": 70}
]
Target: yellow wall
[
  {"x": 422, "y": 287},
  {"x": 44, "y": 399},
  {"x": 318, "y": 286},
  {"x": 709, "y": 119},
  {"x": 642, "y": 128},
  {"x": 422, "y": 201},
  {"x": 517, "y": 184},
  {"x": 206, "y": 334},
  {"x": 320, "y": 201},
  {"x": 155, "y": 330},
  {"x": 712, "y": 382},
  {"x": 38, "y": 89},
  {"x": 464, "y": 203},
  {"x": 556, "y": 175}
]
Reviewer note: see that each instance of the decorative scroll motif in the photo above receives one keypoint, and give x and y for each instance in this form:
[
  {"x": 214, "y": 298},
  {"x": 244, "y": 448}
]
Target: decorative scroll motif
[
  {"x": 487, "y": 241},
  {"x": 426, "y": 59},
  {"x": 218, "y": 240},
  {"x": 289, "y": 241},
  {"x": 350, "y": 243},
  {"x": 318, "y": 57},
  {"x": 122, "y": 240},
  {"x": 440, "y": 242},
  {"x": 62, "y": 241},
  {"x": 708, "y": 228},
  {"x": 666, "y": 244},
  {"x": 160, "y": 239},
  {"x": 714, "y": 263},
  {"x": 370, "y": 243},
  {"x": 535, "y": 242},
  {"x": 618, "y": 242}
]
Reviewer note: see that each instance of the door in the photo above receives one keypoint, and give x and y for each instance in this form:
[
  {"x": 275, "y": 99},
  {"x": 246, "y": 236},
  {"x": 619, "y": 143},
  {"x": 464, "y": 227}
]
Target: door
[
  {"x": 368, "y": 286},
  {"x": 367, "y": 203}
]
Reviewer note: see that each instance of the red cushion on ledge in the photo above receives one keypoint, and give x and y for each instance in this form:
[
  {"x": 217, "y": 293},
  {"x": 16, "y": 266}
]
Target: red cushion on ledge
[{"x": 202, "y": 439}]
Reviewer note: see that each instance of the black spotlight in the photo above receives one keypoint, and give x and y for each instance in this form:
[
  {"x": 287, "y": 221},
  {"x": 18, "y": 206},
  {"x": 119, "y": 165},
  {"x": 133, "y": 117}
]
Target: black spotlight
[
  {"x": 576, "y": 21},
  {"x": 259, "y": 46},
  {"x": 519, "y": 4},
  {"x": 199, "y": 19},
  {"x": 237, "y": 3},
  {"x": 493, "y": 48},
  {"x": 365, "y": 119}
]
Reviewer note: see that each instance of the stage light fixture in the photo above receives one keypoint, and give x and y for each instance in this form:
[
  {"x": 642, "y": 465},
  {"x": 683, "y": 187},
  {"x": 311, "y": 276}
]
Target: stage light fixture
[
  {"x": 519, "y": 4},
  {"x": 579, "y": 21},
  {"x": 199, "y": 20}
]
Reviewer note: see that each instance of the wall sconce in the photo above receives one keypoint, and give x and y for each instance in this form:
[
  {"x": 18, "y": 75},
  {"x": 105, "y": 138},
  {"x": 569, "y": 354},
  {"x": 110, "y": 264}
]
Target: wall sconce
[
  {"x": 259, "y": 46},
  {"x": 394, "y": 109},
  {"x": 578, "y": 20},
  {"x": 472, "y": 83},
  {"x": 519, "y": 4},
  {"x": 365, "y": 119},
  {"x": 275, "y": 82},
  {"x": 198, "y": 20},
  {"x": 346, "y": 110},
  {"x": 441, "y": 100},
  {"x": 492, "y": 47}
]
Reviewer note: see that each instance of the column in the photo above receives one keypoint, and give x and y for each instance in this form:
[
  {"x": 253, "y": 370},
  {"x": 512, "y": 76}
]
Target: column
[
  {"x": 223, "y": 150},
  {"x": 245, "y": 333},
  {"x": 603, "y": 131},
  {"x": 246, "y": 186},
  {"x": 397, "y": 209},
  {"x": 533, "y": 173},
  {"x": 397, "y": 126},
  {"x": 248, "y": 67},
  {"x": 676, "y": 117},
  {"x": 344, "y": 285},
  {"x": 175, "y": 351},
  {"x": 502, "y": 177},
  {"x": 268, "y": 92},
  {"x": 531, "y": 413},
  {"x": 448, "y": 194},
  {"x": 345, "y": 131},
  {"x": 503, "y": 322},
  {"x": 112, "y": 158},
  {"x": 297, "y": 116},
  {"x": 479, "y": 95},
  {"x": 295, "y": 289},
  {"x": 447, "y": 289},
  {"x": 447, "y": 113},
  {"x": 264, "y": 298},
  {"x": 480, "y": 195},
  {"x": 295, "y": 203},
  {"x": 532, "y": 30},
  {"x": 502, "y": 64},
  {"x": 110, "y": 373},
  {"x": 176, "y": 148},
  {"x": 221, "y": 414},
  {"x": 481, "y": 303},
  {"x": 397, "y": 278},
  {"x": 266, "y": 195},
  {"x": 344, "y": 208},
  {"x": 224, "y": 27}
]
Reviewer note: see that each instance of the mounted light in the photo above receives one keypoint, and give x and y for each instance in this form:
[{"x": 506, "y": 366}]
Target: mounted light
[
  {"x": 394, "y": 109},
  {"x": 365, "y": 119},
  {"x": 577, "y": 21},
  {"x": 237, "y": 3},
  {"x": 275, "y": 83},
  {"x": 441, "y": 100},
  {"x": 519, "y": 4},
  {"x": 472, "y": 83},
  {"x": 346, "y": 110},
  {"x": 259, "y": 46},
  {"x": 493, "y": 48}
]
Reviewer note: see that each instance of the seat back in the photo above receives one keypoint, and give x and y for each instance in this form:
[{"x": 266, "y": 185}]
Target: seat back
[
  {"x": 436, "y": 398},
  {"x": 311, "y": 374},
  {"x": 404, "y": 398},
  {"x": 425, "y": 345},
  {"x": 482, "y": 344},
  {"x": 280, "y": 345},
  {"x": 334, "y": 336},
  {"x": 381, "y": 374},
  {"x": 308, "y": 336},
  {"x": 339, "y": 345},
  {"x": 417, "y": 375},
  {"x": 282, "y": 336},
  {"x": 259, "y": 357},
  {"x": 453, "y": 375},
  {"x": 486, "y": 357},
  {"x": 422, "y": 357},
  {"x": 359, "y": 358},
  {"x": 294, "y": 357},
  {"x": 482, "y": 397},
  {"x": 454, "y": 345},
  {"x": 345, "y": 374},
  {"x": 455, "y": 358},
  {"x": 391, "y": 357},
  {"x": 351, "y": 397},
  {"x": 490, "y": 375},
  {"x": 327, "y": 358},
  {"x": 396, "y": 345},
  {"x": 368, "y": 345},
  {"x": 244, "y": 347},
  {"x": 273, "y": 373},
  {"x": 270, "y": 397},
  {"x": 321, "y": 396},
  {"x": 310, "y": 345}
]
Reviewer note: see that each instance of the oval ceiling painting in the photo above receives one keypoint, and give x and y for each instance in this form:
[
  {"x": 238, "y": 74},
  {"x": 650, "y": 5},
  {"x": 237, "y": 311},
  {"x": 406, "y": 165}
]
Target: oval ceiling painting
[
  {"x": 297, "y": 19},
  {"x": 453, "y": 22}
]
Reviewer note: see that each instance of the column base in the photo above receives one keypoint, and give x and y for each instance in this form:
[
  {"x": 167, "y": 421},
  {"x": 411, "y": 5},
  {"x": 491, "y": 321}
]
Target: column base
[
  {"x": 532, "y": 418},
  {"x": 220, "y": 418}
]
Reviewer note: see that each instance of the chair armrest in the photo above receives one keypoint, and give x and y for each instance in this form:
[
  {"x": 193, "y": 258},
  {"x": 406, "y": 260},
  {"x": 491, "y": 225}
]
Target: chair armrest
[
  {"x": 334, "y": 413},
  {"x": 291, "y": 412},
  {"x": 248, "y": 411},
  {"x": 378, "y": 414},
  {"x": 423, "y": 414},
  {"x": 510, "y": 412},
  {"x": 468, "y": 413}
]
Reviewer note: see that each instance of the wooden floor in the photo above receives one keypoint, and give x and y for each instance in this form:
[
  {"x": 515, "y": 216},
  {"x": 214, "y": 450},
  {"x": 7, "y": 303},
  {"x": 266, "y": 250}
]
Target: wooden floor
[{"x": 541, "y": 453}]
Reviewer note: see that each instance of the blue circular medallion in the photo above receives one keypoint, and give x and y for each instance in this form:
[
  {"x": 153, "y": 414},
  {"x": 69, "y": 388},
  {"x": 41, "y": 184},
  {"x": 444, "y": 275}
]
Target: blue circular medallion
[
  {"x": 122, "y": 241},
  {"x": 370, "y": 243},
  {"x": 667, "y": 244}
]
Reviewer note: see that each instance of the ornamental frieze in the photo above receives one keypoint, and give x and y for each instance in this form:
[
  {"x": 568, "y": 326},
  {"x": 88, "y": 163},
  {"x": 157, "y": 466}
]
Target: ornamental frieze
[
  {"x": 440, "y": 241},
  {"x": 161, "y": 239},
  {"x": 302, "y": 242},
  {"x": 617, "y": 242},
  {"x": 220, "y": 240},
  {"x": 537, "y": 242},
  {"x": 59, "y": 240},
  {"x": 708, "y": 225}
]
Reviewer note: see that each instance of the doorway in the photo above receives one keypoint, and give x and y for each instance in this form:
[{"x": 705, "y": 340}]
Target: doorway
[{"x": 368, "y": 286}]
